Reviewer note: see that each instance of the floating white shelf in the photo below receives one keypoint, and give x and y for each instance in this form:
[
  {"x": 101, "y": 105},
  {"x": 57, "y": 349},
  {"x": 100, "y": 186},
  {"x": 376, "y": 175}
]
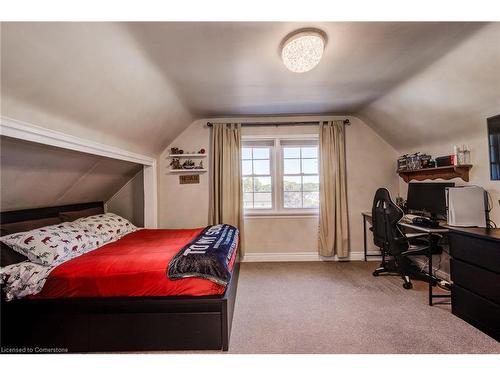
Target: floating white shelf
[
  {"x": 187, "y": 155},
  {"x": 194, "y": 170}
]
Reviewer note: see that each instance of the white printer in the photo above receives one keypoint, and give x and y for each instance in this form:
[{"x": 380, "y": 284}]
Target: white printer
[{"x": 467, "y": 206}]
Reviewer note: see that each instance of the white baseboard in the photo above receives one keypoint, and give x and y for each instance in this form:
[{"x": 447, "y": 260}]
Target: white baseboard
[{"x": 309, "y": 256}]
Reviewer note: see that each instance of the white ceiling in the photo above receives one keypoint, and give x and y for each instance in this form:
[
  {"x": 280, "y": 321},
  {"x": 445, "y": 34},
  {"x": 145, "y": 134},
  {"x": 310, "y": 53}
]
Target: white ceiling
[
  {"x": 138, "y": 85},
  {"x": 90, "y": 80},
  {"x": 236, "y": 69}
]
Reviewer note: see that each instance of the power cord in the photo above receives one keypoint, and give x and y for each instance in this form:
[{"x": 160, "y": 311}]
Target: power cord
[
  {"x": 489, "y": 223},
  {"x": 437, "y": 268}
]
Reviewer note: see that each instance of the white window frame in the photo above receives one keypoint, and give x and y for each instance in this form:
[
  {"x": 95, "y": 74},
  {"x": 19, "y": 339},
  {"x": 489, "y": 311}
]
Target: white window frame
[{"x": 277, "y": 163}]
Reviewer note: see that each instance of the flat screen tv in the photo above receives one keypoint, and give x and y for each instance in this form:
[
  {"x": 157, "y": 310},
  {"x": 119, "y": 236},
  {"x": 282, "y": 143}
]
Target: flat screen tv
[{"x": 494, "y": 143}]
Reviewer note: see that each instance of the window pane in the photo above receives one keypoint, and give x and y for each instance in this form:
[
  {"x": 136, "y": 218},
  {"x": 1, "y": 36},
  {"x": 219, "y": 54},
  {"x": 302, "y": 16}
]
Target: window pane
[
  {"x": 257, "y": 191},
  {"x": 262, "y": 200},
  {"x": 248, "y": 200},
  {"x": 292, "y": 200},
  {"x": 311, "y": 183},
  {"x": 310, "y": 166},
  {"x": 246, "y": 167},
  {"x": 292, "y": 183},
  {"x": 261, "y": 153},
  {"x": 246, "y": 153},
  {"x": 291, "y": 152},
  {"x": 291, "y": 166},
  {"x": 261, "y": 167},
  {"x": 299, "y": 177},
  {"x": 311, "y": 199},
  {"x": 262, "y": 184},
  {"x": 247, "y": 184},
  {"x": 309, "y": 152}
]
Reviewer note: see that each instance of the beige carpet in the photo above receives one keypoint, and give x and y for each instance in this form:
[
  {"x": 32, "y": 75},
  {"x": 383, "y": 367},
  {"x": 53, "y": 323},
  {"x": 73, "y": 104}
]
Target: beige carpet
[{"x": 332, "y": 307}]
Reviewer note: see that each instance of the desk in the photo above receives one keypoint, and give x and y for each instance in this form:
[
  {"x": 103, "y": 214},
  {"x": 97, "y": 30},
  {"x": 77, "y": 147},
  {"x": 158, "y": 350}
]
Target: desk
[
  {"x": 367, "y": 216},
  {"x": 432, "y": 245},
  {"x": 475, "y": 272}
]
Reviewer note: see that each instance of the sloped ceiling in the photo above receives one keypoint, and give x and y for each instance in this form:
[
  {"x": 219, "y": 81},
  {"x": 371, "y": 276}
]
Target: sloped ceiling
[
  {"x": 34, "y": 175},
  {"x": 138, "y": 85},
  {"x": 448, "y": 100},
  {"x": 90, "y": 80}
]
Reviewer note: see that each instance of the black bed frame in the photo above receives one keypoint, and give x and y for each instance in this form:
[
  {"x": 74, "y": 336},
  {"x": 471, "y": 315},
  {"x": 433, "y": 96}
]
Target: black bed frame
[{"x": 117, "y": 323}]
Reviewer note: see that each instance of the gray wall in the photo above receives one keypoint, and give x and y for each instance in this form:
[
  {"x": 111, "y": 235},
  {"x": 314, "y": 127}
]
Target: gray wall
[
  {"x": 128, "y": 202},
  {"x": 447, "y": 104},
  {"x": 370, "y": 164},
  {"x": 35, "y": 175}
]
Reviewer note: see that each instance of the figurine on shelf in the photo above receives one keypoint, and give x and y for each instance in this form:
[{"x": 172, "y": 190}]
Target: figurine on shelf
[
  {"x": 425, "y": 161},
  {"x": 202, "y": 151},
  {"x": 188, "y": 164},
  {"x": 176, "y": 163},
  {"x": 176, "y": 151},
  {"x": 200, "y": 166}
]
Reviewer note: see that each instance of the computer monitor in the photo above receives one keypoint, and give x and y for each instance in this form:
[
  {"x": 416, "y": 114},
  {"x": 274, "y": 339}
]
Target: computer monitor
[{"x": 428, "y": 199}]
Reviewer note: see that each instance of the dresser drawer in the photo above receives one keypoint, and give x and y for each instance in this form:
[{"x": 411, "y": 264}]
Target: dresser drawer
[
  {"x": 478, "y": 280},
  {"x": 476, "y": 310},
  {"x": 482, "y": 252}
]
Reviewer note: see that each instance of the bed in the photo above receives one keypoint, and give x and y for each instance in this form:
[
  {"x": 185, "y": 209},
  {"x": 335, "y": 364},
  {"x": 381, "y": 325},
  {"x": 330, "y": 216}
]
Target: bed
[{"x": 84, "y": 309}]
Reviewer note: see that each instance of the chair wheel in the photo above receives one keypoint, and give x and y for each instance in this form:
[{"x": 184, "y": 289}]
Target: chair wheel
[
  {"x": 408, "y": 285},
  {"x": 375, "y": 273}
]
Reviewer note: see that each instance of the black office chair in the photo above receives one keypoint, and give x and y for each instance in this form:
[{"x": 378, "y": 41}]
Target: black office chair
[{"x": 394, "y": 244}]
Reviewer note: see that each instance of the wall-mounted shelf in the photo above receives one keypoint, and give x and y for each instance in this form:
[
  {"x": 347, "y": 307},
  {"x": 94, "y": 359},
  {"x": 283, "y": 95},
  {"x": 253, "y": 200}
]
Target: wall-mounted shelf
[
  {"x": 194, "y": 170},
  {"x": 446, "y": 173},
  {"x": 187, "y": 155}
]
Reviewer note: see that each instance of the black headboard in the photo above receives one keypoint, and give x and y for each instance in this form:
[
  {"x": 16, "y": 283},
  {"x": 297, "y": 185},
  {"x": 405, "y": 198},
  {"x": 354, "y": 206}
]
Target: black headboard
[{"x": 44, "y": 212}]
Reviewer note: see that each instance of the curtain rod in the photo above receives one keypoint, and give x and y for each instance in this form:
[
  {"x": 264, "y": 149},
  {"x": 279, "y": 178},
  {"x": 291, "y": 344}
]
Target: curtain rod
[{"x": 289, "y": 123}]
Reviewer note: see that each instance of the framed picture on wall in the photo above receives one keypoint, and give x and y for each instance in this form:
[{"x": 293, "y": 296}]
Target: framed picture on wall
[{"x": 494, "y": 146}]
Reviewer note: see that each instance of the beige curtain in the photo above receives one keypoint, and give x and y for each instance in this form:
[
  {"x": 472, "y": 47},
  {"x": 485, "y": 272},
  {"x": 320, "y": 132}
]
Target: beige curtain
[
  {"x": 226, "y": 203},
  {"x": 333, "y": 219}
]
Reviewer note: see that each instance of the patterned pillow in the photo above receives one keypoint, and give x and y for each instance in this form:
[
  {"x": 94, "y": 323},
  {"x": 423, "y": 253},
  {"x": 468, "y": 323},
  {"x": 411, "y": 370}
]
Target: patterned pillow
[
  {"x": 54, "y": 244},
  {"x": 23, "y": 279},
  {"x": 109, "y": 226}
]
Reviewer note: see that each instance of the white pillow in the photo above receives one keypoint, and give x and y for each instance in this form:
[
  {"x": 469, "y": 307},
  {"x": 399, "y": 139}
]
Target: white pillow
[
  {"x": 109, "y": 226},
  {"x": 54, "y": 244}
]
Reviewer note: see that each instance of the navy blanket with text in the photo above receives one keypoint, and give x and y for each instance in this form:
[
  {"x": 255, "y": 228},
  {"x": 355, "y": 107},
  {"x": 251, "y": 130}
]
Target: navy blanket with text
[{"x": 207, "y": 256}]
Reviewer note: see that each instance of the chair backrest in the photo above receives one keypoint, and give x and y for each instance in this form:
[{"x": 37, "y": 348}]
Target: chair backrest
[{"x": 385, "y": 217}]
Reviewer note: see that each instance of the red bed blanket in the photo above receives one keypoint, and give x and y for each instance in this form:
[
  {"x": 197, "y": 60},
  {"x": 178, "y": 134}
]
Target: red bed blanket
[{"x": 135, "y": 265}]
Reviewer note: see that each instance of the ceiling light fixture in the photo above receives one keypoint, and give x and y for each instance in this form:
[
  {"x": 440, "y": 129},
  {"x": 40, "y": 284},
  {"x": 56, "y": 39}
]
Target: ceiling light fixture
[{"x": 302, "y": 49}]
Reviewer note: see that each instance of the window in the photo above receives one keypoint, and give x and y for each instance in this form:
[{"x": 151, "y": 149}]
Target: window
[
  {"x": 300, "y": 177},
  {"x": 494, "y": 143},
  {"x": 257, "y": 180},
  {"x": 280, "y": 176}
]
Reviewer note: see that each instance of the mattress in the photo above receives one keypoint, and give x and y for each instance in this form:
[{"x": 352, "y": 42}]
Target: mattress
[{"x": 134, "y": 266}]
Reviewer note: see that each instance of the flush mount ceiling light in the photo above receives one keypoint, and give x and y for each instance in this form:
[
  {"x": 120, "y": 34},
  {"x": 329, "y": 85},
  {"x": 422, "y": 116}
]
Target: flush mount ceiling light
[{"x": 302, "y": 50}]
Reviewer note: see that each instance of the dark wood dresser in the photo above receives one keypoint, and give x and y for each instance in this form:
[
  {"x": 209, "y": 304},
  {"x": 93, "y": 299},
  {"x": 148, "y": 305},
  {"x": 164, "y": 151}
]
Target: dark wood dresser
[{"x": 475, "y": 272}]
